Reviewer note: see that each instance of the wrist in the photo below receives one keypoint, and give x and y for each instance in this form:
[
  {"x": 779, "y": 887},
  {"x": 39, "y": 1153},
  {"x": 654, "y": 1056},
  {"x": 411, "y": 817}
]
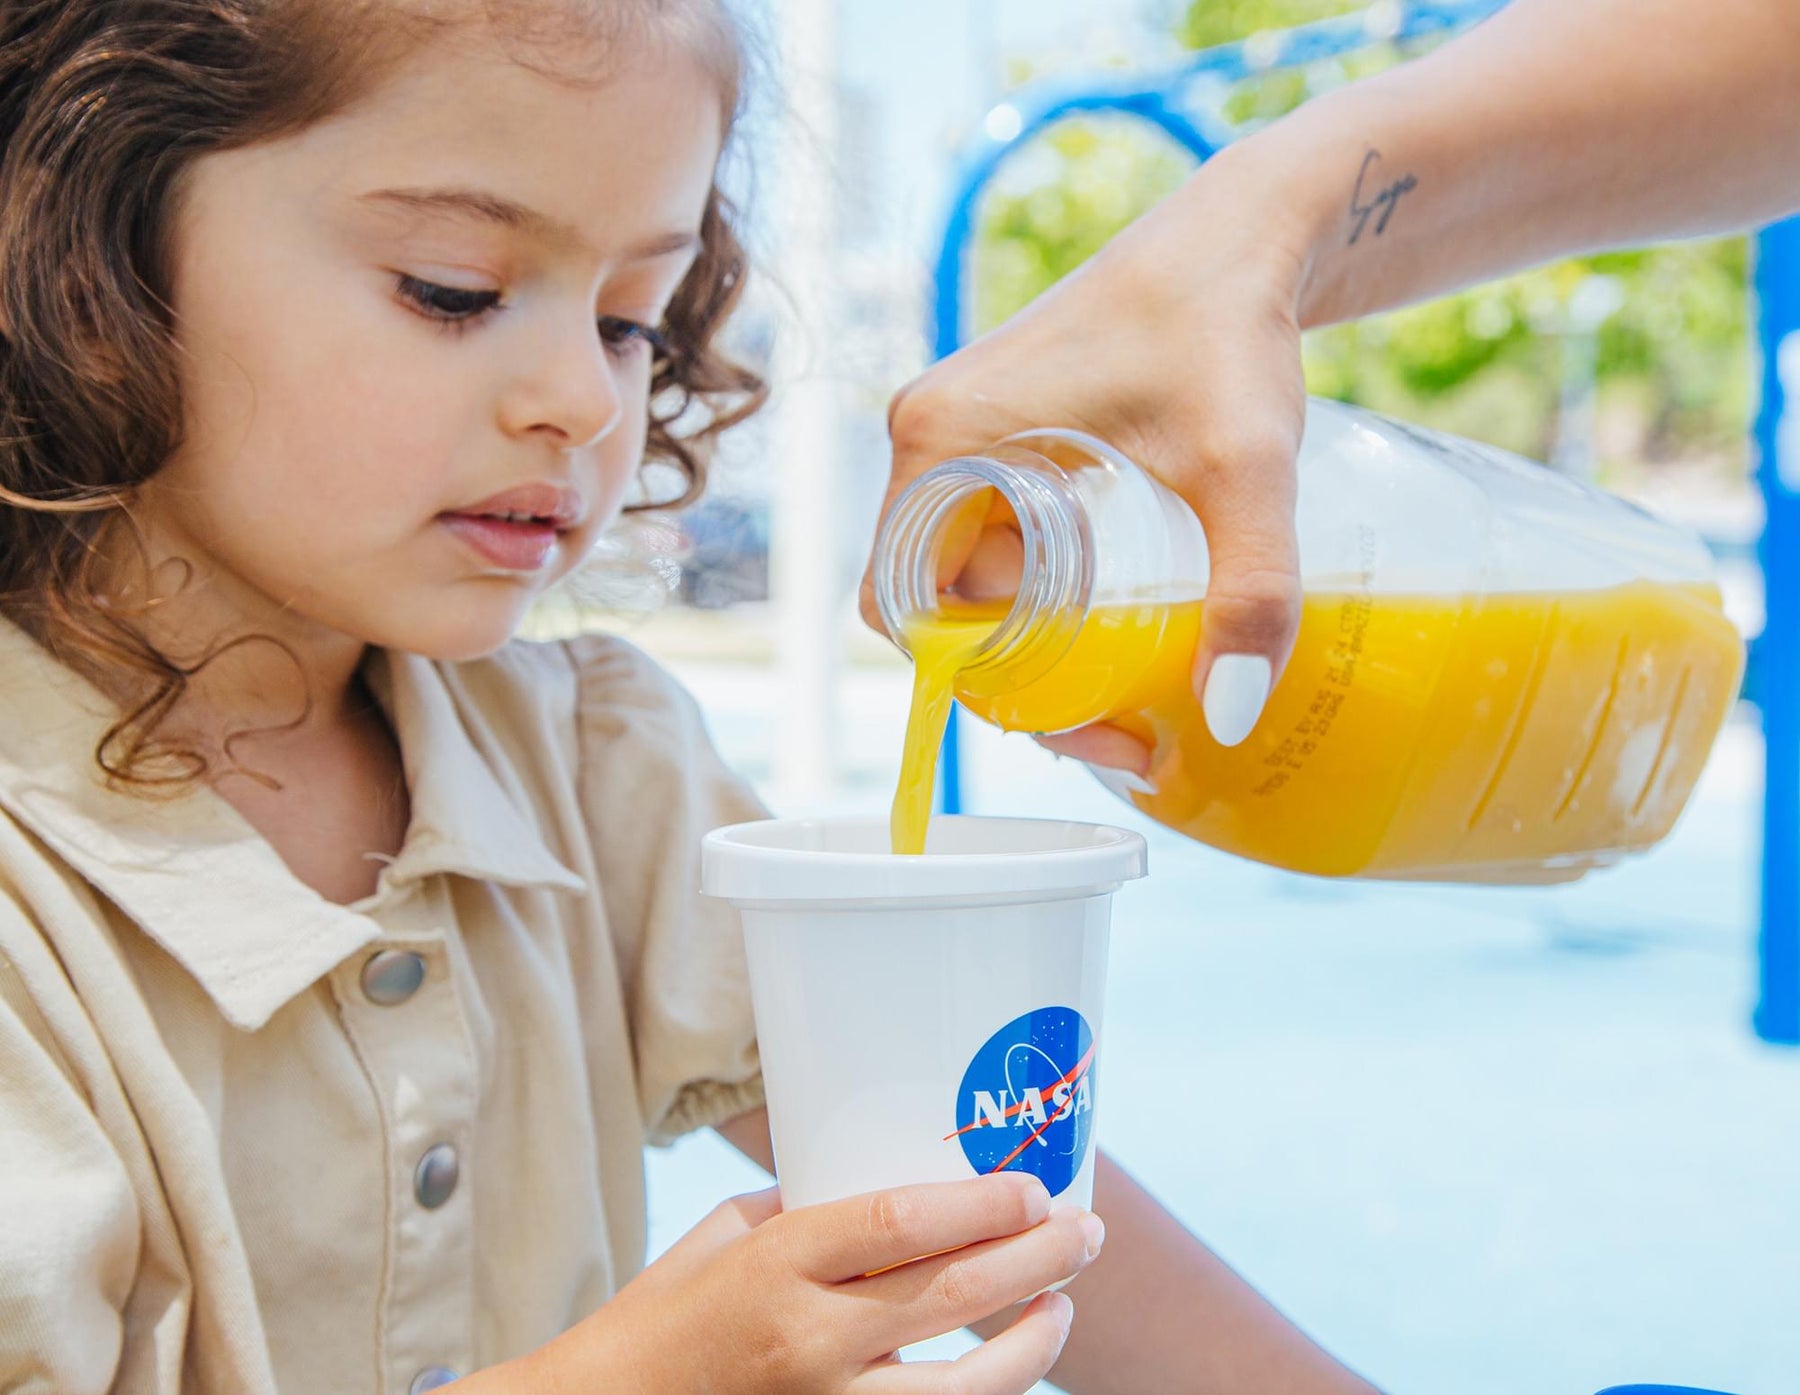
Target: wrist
[
  {"x": 1270, "y": 205},
  {"x": 1312, "y": 179},
  {"x": 1340, "y": 190}
]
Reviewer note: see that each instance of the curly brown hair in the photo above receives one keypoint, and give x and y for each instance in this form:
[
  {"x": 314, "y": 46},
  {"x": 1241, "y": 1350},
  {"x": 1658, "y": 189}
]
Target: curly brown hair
[{"x": 103, "y": 105}]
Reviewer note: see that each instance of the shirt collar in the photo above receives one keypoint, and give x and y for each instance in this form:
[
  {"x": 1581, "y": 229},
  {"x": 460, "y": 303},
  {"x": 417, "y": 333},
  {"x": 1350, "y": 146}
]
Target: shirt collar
[
  {"x": 201, "y": 881},
  {"x": 464, "y": 819}
]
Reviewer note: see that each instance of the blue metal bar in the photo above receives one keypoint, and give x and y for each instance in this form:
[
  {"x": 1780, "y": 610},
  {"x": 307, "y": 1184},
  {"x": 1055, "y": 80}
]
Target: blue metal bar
[
  {"x": 949, "y": 791},
  {"x": 1777, "y": 1016},
  {"x": 1333, "y": 38},
  {"x": 948, "y": 330},
  {"x": 1161, "y": 99}
]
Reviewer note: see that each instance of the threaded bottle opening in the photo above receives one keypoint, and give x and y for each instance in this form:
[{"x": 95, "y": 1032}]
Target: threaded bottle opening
[{"x": 1055, "y": 569}]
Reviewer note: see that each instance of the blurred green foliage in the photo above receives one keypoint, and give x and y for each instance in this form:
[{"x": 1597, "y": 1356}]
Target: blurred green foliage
[
  {"x": 1056, "y": 202},
  {"x": 1672, "y": 364}
]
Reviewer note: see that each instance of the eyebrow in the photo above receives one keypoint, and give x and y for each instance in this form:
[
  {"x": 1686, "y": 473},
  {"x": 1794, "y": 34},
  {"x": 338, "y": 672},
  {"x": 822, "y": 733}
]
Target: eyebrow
[{"x": 493, "y": 208}]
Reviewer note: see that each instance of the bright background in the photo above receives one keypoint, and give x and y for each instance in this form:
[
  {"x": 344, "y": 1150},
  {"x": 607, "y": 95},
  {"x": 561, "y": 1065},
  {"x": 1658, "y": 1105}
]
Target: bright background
[{"x": 1474, "y": 1141}]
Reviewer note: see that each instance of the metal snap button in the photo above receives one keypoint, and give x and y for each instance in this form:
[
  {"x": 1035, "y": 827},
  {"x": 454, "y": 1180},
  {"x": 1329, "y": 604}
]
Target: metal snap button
[
  {"x": 391, "y": 976},
  {"x": 435, "y": 1176}
]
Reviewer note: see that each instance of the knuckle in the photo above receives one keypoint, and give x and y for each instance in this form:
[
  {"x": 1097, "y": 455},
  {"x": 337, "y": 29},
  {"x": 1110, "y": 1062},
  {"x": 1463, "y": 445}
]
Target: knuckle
[
  {"x": 959, "y": 1289},
  {"x": 786, "y": 1343},
  {"x": 891, "y": 1220},
  {"x": 911, "y": 418},
  {"x": 811, "y": 1350},
  {"x": 779, "y": 1352},
  {"x": 870, "y": 611},
  {"x": 897, "y": 404},
  {"x": 1243, "y": 443},
  {"x": 1258, "y": 594},
  {"x": 776, "y": 1256}
]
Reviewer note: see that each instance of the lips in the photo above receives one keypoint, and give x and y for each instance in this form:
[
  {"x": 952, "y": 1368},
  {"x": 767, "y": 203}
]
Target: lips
[
  {"x": 513, "y": 547},
  {"x": 555, "y": 504},
  {"x": 517, "y": 530}
]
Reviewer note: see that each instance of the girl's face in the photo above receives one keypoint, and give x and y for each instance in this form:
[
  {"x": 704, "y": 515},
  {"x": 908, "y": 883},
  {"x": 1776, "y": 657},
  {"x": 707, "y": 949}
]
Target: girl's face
[{"x": 430, "y": 311}]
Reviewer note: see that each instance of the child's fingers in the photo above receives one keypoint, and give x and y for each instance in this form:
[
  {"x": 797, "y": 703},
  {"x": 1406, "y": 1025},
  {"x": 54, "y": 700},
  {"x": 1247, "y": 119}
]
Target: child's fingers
[
  {"x": 941, "y": 1293},
  {"x": 1010, "y": 1364},
  {"x": 842, "y": 1240}
]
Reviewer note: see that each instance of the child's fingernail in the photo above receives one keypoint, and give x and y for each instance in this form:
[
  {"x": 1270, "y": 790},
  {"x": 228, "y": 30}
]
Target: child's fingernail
[
  {"x": 1062, "y": 1308},
  {"x": 1037, "y": 1198},
  {"x": 1093, "y": 1230},
  {"x": 1236, "y": 689}
]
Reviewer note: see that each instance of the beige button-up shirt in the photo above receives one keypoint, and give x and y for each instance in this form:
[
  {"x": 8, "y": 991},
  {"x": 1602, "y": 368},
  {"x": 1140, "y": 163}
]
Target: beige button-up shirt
[{"x": 213, "y": 1113}]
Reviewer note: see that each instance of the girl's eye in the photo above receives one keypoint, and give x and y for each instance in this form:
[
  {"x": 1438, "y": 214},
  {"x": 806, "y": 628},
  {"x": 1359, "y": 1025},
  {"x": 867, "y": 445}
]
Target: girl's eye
[
  {"x": 622, "y": 336},
  {"x": 453, "y": 303},
  {"x": 457, "y": 306}
]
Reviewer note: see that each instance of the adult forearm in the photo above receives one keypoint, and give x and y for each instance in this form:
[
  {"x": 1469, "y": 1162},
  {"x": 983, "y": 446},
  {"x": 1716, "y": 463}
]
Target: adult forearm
[
  {"x": 1558, "y": 126},
  {"x": 1159, "y": 1311}
]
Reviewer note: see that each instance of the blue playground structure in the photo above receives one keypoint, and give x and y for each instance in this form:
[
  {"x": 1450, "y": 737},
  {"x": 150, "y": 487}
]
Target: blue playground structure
[{"x": 1174, "y": 100}]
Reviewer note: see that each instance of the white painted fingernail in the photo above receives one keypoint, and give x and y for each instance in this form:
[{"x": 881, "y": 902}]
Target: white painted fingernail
[
  {"x": 1126, "y": 779},
  {"x": 1236, "y": 689}
]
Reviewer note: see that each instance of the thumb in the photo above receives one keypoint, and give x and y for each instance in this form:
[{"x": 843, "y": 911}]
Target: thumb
[
  {"x": 728, "y": 1221},
  {"x": 696, "y": 1251}
]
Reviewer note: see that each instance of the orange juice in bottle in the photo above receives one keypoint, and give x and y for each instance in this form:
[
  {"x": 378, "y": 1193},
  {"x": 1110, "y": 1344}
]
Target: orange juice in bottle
[{"x": 1499, "y": 676}]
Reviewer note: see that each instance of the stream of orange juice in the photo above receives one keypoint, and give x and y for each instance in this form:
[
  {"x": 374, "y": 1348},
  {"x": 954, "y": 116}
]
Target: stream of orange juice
[
  {"x": 941, "y": 646},
  {"x": 1514, "y": 737}
]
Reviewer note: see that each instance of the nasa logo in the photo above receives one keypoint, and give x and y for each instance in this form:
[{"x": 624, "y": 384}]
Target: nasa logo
[{"x": 1027, "y": 1100}]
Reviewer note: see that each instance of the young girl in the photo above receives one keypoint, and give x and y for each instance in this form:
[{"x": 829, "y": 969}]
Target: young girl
[{"x": 349, "y": 952}]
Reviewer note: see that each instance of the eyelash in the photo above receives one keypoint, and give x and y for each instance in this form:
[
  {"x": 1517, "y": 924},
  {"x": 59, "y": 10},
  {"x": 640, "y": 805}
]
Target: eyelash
[{"x": 456, "y": 309}]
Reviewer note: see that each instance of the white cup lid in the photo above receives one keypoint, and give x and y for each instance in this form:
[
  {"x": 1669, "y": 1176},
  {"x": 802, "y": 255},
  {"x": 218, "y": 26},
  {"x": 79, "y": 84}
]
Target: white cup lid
[{"x": 798, "y": 860}]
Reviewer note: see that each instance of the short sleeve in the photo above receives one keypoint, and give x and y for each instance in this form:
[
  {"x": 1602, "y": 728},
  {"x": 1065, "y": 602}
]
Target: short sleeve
[
  {"x": 651, "y": 786},
  {"x": 69, "y": 1224}
]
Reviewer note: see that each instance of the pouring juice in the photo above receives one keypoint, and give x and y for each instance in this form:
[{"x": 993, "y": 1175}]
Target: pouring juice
[{"x": 1480, "y": 728}]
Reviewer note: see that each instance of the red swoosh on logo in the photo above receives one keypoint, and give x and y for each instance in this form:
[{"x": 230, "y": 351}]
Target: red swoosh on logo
[{"x": 1079, "y": 1069}]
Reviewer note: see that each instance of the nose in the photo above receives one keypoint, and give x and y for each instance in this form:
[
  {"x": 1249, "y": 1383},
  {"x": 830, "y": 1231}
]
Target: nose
[{"x": 566, "y": 388}]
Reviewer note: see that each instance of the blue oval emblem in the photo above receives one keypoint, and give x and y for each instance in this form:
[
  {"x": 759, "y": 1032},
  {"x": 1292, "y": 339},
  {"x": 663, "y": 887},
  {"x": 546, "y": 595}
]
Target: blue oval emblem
[{"x": 1027, "y": 1100}]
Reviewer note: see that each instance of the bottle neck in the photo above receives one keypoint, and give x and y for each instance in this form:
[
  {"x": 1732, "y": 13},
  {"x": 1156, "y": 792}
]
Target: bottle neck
[{"x": 1056, "y": 573}]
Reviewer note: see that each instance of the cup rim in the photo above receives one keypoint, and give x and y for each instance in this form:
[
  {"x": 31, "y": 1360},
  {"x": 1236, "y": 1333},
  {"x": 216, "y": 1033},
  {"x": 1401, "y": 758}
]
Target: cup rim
[{"x": 769, "y": 860}]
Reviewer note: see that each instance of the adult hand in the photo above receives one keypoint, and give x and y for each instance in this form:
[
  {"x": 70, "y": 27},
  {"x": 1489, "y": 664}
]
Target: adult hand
[
  {"x": 1184, "y": 353},
  {"x": 1179, "y": 342}
]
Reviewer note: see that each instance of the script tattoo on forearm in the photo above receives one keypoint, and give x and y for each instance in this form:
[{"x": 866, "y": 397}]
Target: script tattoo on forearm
[{"x": 1380, "y": 207}]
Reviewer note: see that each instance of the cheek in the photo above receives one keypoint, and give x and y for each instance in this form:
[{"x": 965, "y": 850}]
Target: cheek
[
  {"x": 344, "y": 425},
  {"x": 621, "y": 455}
]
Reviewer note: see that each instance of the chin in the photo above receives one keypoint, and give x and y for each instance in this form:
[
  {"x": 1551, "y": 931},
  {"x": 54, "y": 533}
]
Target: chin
[{"x": 471, "y": 632}]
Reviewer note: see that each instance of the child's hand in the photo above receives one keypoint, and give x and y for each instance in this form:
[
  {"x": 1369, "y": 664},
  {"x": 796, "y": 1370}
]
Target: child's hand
[{"x": 755, "y": 1302}]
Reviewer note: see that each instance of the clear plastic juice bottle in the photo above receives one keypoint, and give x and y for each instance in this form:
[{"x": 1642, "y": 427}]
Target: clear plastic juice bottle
[{"x": 1501, "y": 675}]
